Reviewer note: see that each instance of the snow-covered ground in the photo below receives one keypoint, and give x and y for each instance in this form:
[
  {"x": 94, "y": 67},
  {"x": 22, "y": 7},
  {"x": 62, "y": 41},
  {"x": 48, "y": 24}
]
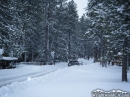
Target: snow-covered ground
[
  {"x": 22, "y": 72},
  {"x": 74, "y": 81}
]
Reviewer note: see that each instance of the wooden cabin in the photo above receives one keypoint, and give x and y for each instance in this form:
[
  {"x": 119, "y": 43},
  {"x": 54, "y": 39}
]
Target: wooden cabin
[{"x": 7, "y": 62}]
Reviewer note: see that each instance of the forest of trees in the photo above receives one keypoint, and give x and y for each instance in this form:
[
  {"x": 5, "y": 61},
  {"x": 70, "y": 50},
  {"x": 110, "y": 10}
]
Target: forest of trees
[
  {"x": 52, "y": 29},
  {"x": 109, "y": 29},
  {"x": 40, "y": 28}
]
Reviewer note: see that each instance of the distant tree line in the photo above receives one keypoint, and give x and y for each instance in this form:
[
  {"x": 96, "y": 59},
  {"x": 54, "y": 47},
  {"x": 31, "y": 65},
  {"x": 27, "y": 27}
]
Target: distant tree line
[{"x": 41, "y": 29}]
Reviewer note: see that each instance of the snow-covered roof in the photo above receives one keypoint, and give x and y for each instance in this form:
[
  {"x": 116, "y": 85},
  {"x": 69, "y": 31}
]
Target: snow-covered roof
[
  {"x": 1, "y": 51},
  {"x": 119, "y": 53},
  {"x": 6, "y": 58},
  {"x": 9, "y": 58}
]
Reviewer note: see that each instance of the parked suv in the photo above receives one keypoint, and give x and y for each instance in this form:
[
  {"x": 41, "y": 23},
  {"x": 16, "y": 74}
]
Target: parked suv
[{"x": 74, "y": 62}]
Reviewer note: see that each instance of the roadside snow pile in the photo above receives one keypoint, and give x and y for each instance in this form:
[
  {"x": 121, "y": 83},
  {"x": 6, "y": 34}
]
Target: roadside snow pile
[
  {"x": 85, "y": 62},
  {"x": 18, "y": 86}
]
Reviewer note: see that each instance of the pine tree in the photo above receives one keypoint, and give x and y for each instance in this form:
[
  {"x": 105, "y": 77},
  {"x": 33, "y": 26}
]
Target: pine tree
[
  {"x": 4, "y": 22},
  {"x": 59, "y": 33},
  {"x": 72, "y": 25}
]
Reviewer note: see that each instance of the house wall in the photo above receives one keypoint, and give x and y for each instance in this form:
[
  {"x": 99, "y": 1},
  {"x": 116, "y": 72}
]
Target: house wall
[{"x": 4, "y": 64}]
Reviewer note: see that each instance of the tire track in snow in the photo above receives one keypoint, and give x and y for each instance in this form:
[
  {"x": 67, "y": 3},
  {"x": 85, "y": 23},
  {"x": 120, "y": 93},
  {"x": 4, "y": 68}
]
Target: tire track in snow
[{"x": 7, "y": 81}]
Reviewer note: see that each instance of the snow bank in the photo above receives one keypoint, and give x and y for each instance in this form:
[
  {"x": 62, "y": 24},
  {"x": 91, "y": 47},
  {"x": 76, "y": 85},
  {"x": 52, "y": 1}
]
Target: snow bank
[
  {"x": 18, "y": 86},
  {"x": 86, "y": 62}
]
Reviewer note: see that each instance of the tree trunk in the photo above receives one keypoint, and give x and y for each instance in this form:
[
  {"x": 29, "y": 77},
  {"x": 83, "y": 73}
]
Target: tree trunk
[
  {"x": 95, "y": 54},
  {"x": 128, "y": 61},
  {"x": 47, "y": 53},
  {"x": 46, "y": 46},
  {"x": 25, "y": 57},
  {"x": 124, "y": 62},
  {"x": 69, "y": 48},
  {"x": 32, "y": 57}
]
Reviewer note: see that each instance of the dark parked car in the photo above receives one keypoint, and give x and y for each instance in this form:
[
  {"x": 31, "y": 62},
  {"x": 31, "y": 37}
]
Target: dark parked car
[{"x": 74, "y": 62}]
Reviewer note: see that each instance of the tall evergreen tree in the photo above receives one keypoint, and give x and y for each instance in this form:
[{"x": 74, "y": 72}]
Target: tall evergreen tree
[
  {"x": 59, "y": 33},
  {"x": 72, "y": 25},
  {"x": 4, "y": 22}
]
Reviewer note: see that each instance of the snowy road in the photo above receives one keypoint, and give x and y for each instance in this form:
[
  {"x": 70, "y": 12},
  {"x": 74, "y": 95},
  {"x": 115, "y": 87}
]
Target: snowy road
[
  {"x": 24, "y": 72},
  {"x": 7, "y": 81}
]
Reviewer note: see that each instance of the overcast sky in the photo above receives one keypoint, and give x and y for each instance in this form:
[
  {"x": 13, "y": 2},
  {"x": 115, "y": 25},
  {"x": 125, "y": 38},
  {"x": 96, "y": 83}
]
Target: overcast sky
[{"x": 81, "y": 4}]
